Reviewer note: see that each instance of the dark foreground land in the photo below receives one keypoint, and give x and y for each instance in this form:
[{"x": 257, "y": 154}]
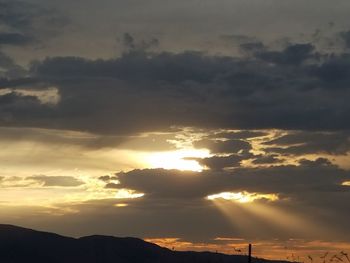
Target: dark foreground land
[{"x": 21, "y": 245}]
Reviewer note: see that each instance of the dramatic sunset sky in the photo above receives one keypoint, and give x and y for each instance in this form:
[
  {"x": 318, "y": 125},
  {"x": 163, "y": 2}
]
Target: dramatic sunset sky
[{"x": 195, "y": 124}]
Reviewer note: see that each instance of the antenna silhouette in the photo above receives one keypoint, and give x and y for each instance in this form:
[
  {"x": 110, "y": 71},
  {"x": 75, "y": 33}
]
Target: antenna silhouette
[{"x": 250, "y": 253}]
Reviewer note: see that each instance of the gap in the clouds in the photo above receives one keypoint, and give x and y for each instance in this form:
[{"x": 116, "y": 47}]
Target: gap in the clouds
[
  {"x": 183, "y": 160},
  {"x": 243, "y": 197},
  {"x": 47, "y": 96}
]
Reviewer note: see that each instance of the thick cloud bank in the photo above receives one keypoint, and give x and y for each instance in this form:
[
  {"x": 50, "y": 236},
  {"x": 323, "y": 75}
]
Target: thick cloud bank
[{"x": 295, "y": 88}]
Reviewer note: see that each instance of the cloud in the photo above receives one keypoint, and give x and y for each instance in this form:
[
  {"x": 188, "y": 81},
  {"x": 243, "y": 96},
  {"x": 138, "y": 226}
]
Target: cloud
[
  {"x": 6, "y": 61},
  {"x": 237, "y": 135},
  {"x": 142, "y": 91},
  {"x": 175, "y": 202},
  {"x": 301, "y": 142},
  {"x": 115, "y": 102},
  {"x": 267, "y": 159},
  {"x": 16, "y": 182},
  {"x": 15, "y": 106},
  {"x": 228, "y": 146},
  {"x": 130, "y": 44},
  {"x": 16, "y": 82},
  {"x": 8, "y": 68},
  {"x": 334, "y": 73},
  {"x": 15, "y": 99},
  {"x": 309, "y": 176},
  {"x": 63, "y": 181},
  {"x": 23, "y": 23},
  {"x": 16, "y": 14},
  {"x": 105, "y": 178},
  {"x": 14, "y": 39},
  {"x": 294, "y": 54},
  {"x": 346, "y": 38},
  {"x": 222, "y": 162}
]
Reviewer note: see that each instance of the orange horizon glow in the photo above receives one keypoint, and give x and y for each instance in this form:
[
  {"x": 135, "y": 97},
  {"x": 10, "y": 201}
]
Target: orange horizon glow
[{"x": 289, "y": 250}]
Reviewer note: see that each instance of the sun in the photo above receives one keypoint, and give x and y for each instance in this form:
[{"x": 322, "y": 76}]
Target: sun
[{"x": 183, "y": 160}]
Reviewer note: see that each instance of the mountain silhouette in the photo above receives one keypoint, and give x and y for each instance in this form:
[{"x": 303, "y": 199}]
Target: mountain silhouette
[{"x": 21, "y": 245}]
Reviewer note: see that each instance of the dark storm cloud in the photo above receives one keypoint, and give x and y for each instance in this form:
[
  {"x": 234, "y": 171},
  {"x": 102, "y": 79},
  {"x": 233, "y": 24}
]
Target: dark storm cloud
[
  {"x": 289, "y": 180},
  {"x": 299, "y": 143},
  {"x": 292, "y": 55},
  {"x": 17, "y": 102},
  {"x": 139, "y": 66},
  {"x": 221, "y": 162},
  {"x": 6, "y": 61},
  {"x": 145, "y": 91},
  {"x": 228, "y": 146},
  {"x": 15, "y": 106},
  {"x": 63, "y": 181},
  {"x": 8, "y": 68},
  {"x": 14, "y": 39},
  {"x": 16, "y": 14},
  {"x": 24, "y": 23},
  {"x": 17, "y": 82},
  {"x": 334, "y": 72}
]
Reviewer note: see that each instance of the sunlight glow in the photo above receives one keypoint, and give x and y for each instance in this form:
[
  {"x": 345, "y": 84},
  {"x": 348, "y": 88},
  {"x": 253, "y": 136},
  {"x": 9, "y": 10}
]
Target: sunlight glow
[
  {"x": 121, "y": 205},
  {"x": 275, "y": 249},
  {"x": 243, "y": 197},
  {"x": 183, "y": 160},
  {"x": 247, "y": 217},
  {"x": 347, "y": 183},
  {"x": 127, "y": 194}
]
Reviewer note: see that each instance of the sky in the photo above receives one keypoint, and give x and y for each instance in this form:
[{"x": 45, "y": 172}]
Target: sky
[{"x": 197, "y": 124}]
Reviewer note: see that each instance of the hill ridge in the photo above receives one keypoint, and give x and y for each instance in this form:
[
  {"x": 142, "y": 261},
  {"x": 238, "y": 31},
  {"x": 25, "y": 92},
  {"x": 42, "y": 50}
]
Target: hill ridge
[{"x": 19, "y": 244}]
